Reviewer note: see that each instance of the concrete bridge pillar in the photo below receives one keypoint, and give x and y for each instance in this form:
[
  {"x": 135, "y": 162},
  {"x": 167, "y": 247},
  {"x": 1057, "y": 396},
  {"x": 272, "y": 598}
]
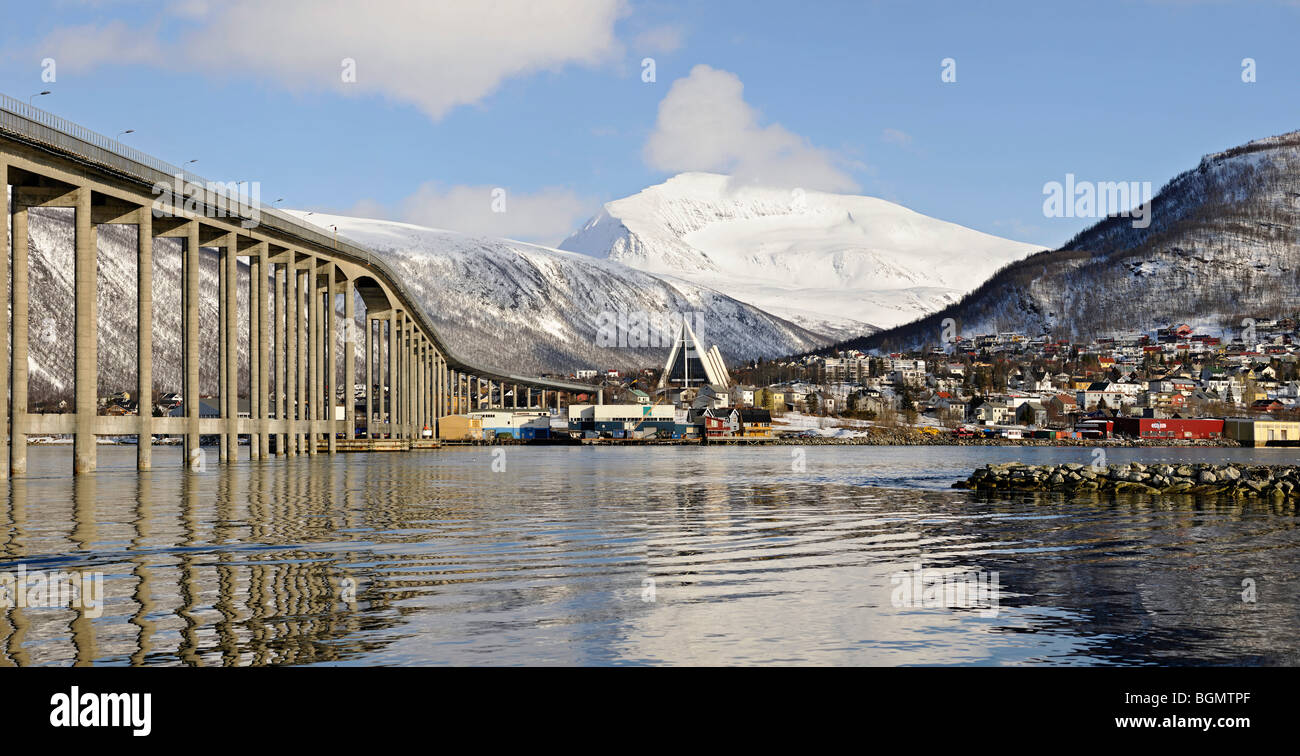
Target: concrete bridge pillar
[
  {"x": 417, "y": 384},
  {"x": 393, "y": 331},
  {"x": 405, "y": 375},
  {"x": 85, "y": 453},
  {"x": 144, "y": 337},
  {"x": 422, "y": 366},
  {"x": 444, "y": 388},
  {"x": 437, "y": 390},
  {"x": 223, "y": 356},
  {"x": 413, "y": 380},
  {"x": 331, "y": 360},
  {"x": 299, "y": 311},
  {"x": 281, "y": 361},
  {"x": 314, "y": 342},
  {"x": 426, "y": 385},
  {"x": 4, "y": 326},
  {"x": 254, "y": 357},
  {"x": 293, "y": 355},
  {"x": 371, "y": 343},
  {"x": 260, "y": 380},
  {"x": 190, "y": 345},
  {"x": 18, "y": 371},
  {"x": 349, "y": 358},
  {"x": 230, "y": 349}
]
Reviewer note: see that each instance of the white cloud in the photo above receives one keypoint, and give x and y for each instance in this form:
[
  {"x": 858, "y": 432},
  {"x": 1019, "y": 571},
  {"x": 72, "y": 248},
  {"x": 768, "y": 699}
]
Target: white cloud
[
  {"x": 544, "y": 217},
  {"x": 79, "y": 48},
  {"x": 705, "y": 124},
  {"x": 658, "y": 39},
  {"x": 435, "y": 55},
  {"x": 896, "y": 136}
]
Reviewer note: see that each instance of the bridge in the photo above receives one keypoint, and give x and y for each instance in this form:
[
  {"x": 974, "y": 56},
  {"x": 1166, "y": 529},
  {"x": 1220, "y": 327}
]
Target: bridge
[{"x": 296, "y": 271}]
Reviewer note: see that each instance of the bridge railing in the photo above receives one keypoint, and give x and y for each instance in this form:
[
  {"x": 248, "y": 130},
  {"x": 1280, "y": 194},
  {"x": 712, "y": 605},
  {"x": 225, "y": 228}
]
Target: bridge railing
[{"x": 32, "y": 124}]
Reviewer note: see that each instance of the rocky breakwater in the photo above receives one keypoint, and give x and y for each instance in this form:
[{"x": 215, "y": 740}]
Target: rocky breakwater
[{"x": 1248, "y": 481}]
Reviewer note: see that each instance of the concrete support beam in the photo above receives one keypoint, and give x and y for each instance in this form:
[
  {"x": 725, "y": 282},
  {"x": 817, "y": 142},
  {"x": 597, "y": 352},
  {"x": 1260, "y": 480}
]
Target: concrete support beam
[
  {"x": 331, "y": 359},
  {"x": 190, "y": 345},
  {"x": 393, "y": 336},
  {"x": 144, "y": 337},
  {"x": 229, "y": 356},
  {"x": 281, "y": 360},
  {"x": 18, "y": 369},
  {"x": 292, "y": 385},
  {"x": 230, "y": 338},
  {"x": 426, "y": 370},
  {"x": 421, "y": 422},
  {"x": 350, "y": 358},
  {"x": 404, "y": 375},
  {"x": 259, "y": 333},
  {"x": 85, "y": 452},
  {"x": 408, "y": 373},
  {"x": 314, "y": 341},
  {"x": 223, "y": 355},
  {"x": 4, "y": 327},
  {"x": 370, "y": 344},
  {"x": 302, "y": 287}
]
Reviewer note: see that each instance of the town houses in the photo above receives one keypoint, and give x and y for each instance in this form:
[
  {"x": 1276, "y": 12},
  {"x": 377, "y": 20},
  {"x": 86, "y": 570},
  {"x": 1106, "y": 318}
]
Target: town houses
[
  {"x": 1139, "y": 385},
  {"x": 1036, "y": 382}
]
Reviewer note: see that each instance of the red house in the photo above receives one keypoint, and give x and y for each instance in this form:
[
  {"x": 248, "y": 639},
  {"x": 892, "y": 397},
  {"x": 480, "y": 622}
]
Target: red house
[
  {"x": 718, "y": 423},
  {"x": 1154, "y": 427}
]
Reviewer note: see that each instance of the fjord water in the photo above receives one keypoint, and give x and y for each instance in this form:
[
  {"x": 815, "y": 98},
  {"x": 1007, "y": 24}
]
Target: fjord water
[{"x": 643, "y": 555}]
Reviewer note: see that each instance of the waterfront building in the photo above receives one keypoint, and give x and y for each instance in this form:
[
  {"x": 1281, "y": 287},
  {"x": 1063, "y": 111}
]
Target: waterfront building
[
  {"x": 1254, "y": 432},
  {"x": 460, "y": 428}
]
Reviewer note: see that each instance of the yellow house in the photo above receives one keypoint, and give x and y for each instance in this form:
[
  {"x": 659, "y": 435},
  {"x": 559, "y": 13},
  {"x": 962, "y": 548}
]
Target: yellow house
[{"x": 754, "y": 423}]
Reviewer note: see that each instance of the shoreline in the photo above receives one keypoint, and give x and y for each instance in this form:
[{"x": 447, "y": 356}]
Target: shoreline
[{"x": 874, "y": 440}]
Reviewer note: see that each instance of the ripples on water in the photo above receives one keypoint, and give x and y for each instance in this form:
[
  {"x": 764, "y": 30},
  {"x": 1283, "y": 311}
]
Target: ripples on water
[{"x": 550, "y": 561}]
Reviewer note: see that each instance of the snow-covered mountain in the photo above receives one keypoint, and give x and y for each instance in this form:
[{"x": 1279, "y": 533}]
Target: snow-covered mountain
[
  {"x": 503, "y": 304},
  {"x": 1223, "y": 244},
  {"x": 532, "y": 309},
  {"x": 833, "y": 263}
]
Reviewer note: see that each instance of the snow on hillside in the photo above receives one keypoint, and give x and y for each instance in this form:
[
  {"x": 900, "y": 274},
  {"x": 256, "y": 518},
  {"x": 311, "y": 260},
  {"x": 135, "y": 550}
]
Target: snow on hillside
[
  {"x": 499, "y": 303},
  {"x": 830, "y": 262},
  {"x": 1222, "y": 245},
  {"x": 532, "y": 309},
  {"x": 51, "y": 354}
]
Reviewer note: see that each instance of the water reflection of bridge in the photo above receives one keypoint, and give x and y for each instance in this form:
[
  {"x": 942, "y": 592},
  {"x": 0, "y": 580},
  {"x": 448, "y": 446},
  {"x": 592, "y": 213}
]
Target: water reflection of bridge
[
  {"x": 297, "y": 274},
  {"x": 201, "y": 570}
]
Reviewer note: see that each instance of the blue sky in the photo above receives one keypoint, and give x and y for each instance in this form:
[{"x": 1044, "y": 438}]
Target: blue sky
[{"x": 453, "y": 100}]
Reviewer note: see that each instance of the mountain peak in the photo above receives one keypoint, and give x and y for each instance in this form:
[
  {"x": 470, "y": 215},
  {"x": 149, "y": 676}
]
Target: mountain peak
[{"x": 830, "y": 262}]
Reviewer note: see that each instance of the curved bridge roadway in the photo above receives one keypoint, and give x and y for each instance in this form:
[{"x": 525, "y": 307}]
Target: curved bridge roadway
[{"x": 50, "y": 162}]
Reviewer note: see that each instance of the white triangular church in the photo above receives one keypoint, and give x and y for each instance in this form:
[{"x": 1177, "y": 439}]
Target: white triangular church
[{"x": 690, "y": 364}]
